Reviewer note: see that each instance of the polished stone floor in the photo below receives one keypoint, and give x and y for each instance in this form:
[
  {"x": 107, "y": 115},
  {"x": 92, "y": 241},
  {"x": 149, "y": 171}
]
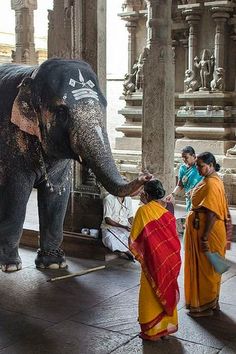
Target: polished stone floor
[{"x": 97, "y": 312}]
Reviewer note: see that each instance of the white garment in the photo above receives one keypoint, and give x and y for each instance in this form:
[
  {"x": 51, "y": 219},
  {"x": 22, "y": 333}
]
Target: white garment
[
  {"x": 119, "y": 212},
  {"x": 111, "y": 242}
]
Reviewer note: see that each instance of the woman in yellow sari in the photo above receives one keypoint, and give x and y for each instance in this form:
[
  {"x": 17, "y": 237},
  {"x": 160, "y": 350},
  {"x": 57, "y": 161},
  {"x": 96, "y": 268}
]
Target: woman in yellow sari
[
  {"x": 155, "y": 244},
  {"x": 205, "y": 230}
]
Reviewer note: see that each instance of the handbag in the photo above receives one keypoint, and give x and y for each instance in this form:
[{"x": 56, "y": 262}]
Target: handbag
[{"x": 219, "y": 263}]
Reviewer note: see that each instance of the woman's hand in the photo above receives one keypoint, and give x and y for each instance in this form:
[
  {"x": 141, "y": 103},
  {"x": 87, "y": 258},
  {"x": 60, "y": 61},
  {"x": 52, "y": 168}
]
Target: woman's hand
[
  {"x": 204, "y": 244},
  {"x": 170, "y": 198}
]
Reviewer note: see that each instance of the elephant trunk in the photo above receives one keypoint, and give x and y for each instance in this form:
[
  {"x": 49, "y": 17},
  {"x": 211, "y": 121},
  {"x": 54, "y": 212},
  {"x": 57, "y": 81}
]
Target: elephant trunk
[{"x": 89, "y": 141}]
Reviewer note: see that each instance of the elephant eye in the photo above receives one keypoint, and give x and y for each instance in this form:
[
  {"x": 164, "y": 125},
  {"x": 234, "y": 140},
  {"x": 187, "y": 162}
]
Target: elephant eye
[{"x": 62, "y": 112}]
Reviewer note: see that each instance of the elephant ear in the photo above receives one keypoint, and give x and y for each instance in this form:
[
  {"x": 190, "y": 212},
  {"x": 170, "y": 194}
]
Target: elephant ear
[{"x": 23, "y": 113}]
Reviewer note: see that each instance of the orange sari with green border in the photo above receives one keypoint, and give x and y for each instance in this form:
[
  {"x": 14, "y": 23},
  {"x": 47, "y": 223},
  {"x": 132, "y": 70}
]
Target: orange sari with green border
[
  {"x": 201, "y": 282},
  {"x": 155, "y": 244}
]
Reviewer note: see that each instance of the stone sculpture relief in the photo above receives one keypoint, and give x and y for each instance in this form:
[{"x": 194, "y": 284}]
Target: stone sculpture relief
[
  {"x": 134, "y": 81},
  {"x": 139, "y": 72},
  {"x": 204, "y": 77},
  {"x": 218, "y": 83},
  {"x": 13, "y": 56},
  {"x": 129, "y": 84},
  {"x": 26, "y": 56},
  {"x": 231, "y": 151},
  {"x": 205, "y": 66},
  {"x": 191, "y": 83}
]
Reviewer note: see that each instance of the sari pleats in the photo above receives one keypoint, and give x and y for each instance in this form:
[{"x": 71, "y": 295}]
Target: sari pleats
[
  {"x": 155, "y": 244},
  {"x": 202, "y": 282}
]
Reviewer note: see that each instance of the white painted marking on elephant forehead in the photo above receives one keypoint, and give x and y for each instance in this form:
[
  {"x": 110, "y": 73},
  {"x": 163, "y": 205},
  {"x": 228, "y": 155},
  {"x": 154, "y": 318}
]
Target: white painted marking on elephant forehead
[
  {"x": 99, "y": 131},
  {"x": 65, "y": 96},
  {"x": 81, "y": 78},
  {"x": 84, "y": 93},
  {"x": 73, "y": 82},
  {"x": 90, "y": 83}
]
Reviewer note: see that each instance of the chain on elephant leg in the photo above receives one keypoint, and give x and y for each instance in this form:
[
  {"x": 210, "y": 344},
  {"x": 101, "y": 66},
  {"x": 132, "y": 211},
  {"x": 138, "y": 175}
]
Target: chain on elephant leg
[{"x": 51, "y": 259}]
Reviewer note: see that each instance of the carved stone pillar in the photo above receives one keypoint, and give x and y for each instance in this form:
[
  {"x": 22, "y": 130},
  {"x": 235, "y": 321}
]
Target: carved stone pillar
[
  {"x": 208, "y": 103},
  {"x": 184, "y": 42},
  {"x": 131, "y": 27},
  {"x": 193, "y": 18},
  {"x": 85, "y": 38},
  {"x": 127, "y": 152},
  {"x": 158, "y": 95},
  {"x": 68, "y": 26},
  {"x": 220, "y": 14},
  {"x": 59, "y": 45},
  {"x": 24, "y": 31},
  {"x": 131, "y": 14},
  {"x": 89, "y": 36}
]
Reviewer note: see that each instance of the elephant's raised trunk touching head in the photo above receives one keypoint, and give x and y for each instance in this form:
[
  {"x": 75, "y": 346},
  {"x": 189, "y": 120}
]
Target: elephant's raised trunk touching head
[{"x": 89, "y": 141}]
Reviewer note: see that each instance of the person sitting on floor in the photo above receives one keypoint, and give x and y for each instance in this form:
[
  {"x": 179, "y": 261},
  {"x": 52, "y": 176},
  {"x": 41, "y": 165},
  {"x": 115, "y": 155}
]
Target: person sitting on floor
[{"x": 117, "y": 221}]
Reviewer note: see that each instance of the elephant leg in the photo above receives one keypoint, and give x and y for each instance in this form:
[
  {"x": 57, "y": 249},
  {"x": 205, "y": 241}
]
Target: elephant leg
[
  {"x": 13, "y": 200},
  {"x": 52, "y": 209}
]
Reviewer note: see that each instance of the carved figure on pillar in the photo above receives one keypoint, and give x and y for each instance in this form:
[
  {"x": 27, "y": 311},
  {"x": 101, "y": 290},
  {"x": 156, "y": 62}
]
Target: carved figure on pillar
[
  {"x": 191, "y": 83},
  {"x": 218, "y": 83},
  {"x": 129, "y": 83},
  {"x": 231, "y": 151},
  {"x": 13, "y": 56},
  {"x": 205, "y": 66},
  {"x": 139, "y": 75},
  {"x": 26, "y": 56}
]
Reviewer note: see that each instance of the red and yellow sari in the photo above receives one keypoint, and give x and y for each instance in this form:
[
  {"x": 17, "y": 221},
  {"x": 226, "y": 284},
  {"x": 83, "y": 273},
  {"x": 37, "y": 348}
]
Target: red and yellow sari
[
  {"x": 155, "y": 244},
  {"x": 202, "y": 283}
]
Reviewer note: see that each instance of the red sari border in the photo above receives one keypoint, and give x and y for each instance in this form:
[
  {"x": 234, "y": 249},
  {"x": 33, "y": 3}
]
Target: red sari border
[{"x": 157, "y": 249}]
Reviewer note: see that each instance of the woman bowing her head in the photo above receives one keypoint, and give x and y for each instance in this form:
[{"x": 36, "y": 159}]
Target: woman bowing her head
[{"x": 154, "y": 243}]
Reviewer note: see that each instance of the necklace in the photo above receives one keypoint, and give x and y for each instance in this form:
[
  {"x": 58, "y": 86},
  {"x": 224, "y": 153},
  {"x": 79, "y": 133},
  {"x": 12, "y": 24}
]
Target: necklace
[{"x": 64, "y": 171}]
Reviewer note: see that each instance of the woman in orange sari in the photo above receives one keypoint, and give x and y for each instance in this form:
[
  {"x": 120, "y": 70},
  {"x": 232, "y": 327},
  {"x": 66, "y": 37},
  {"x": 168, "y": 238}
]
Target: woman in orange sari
[
  {"x": 155, "y": 244},
  {"x": 205, "y": 230}
]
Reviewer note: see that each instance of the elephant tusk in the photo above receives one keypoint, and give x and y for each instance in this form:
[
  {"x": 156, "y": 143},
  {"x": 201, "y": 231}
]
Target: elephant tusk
[
  {"x": 76, "y": 274},
  {"x": 80, "y": 159}
]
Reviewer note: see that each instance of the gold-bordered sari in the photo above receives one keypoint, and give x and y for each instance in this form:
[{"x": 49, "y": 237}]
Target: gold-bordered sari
[
  {"x": 202, "y": 282},
  {"x": 155, "y": 244}
]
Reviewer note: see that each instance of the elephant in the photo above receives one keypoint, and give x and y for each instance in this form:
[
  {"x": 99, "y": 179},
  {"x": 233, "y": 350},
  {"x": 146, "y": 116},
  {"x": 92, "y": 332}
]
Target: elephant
[{"x": 50, "y": 115}]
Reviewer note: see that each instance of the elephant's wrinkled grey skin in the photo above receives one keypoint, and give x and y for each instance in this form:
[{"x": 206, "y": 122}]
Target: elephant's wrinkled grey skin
[{"x": 48, "y": 116}]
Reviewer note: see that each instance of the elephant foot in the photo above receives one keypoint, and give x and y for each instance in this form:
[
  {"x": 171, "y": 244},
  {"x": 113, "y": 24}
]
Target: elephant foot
[
  {"x": 13, "y": 267},
  {"x": 52, "y": 259}
]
